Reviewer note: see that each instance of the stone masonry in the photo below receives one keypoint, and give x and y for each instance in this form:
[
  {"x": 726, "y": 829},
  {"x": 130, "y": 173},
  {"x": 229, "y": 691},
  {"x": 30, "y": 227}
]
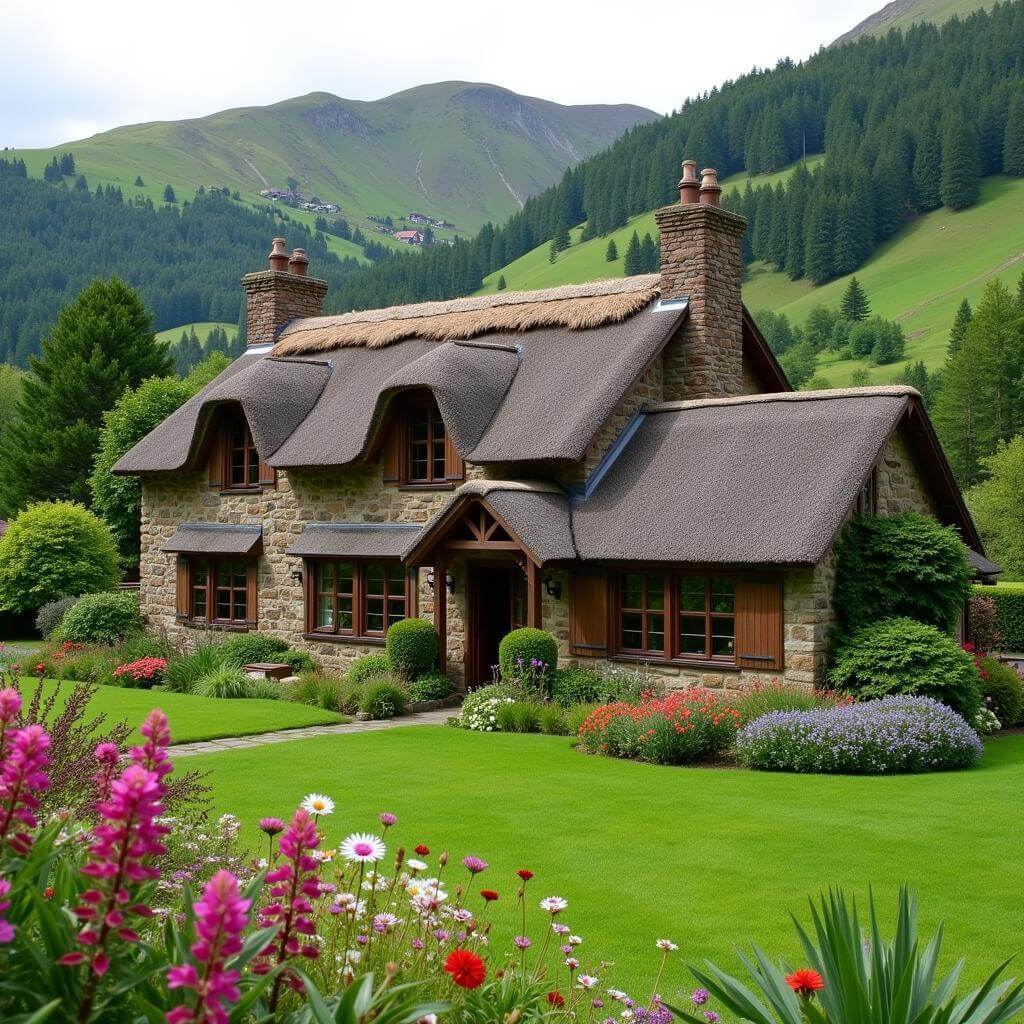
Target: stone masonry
[{"x": 273, "y": 298}]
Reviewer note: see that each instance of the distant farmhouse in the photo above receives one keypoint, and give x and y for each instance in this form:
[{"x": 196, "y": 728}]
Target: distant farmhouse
[
  {"x": 299, "y": 201},
  {"x": 410, "y": 237}
]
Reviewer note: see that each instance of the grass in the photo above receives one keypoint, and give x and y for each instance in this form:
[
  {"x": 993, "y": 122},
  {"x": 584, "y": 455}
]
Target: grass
[
  {"x": 934, "y": 11},
  {"x": 709, "y": 858},
  {"x": 203, "y": 330},
  {"x": 198, "y": 718}
]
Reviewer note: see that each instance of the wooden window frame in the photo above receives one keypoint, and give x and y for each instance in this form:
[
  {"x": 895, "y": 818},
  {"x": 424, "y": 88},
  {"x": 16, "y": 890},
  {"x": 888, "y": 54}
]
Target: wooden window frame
[
  {"x": 867, "y": 496},
  {"x": 250, "y": 458},
  {"x": 672, "y": 615},
  {"x": 259, "y": 475},
  {"x": 398, "y": 446},
  {"x": 361, "y": 596},
  {"x": 437, "y": 434},
  {"x": 188, "y": 565}
]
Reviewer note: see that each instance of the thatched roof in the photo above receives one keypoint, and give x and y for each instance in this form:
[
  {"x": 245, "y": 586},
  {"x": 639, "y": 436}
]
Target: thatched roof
[{"x": 575, "y": 307}]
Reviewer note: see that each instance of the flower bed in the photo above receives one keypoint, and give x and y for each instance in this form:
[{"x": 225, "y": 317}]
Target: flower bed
[
  {"x": 683, "y": 727},
  {"x": 892, "y": 735}
]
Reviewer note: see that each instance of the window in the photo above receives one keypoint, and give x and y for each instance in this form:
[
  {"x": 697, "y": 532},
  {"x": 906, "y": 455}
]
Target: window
[
  {"x": 675, "y": 616},
  {"x": 417, "y": 449},
  {"x": 234, "y": 462},
  {"x": 243, "y": 459},
  {"x": 867, "y": 497},
  {"x": 221, "y": 591},
  {"x": 359, "y": 599},
  {"x": 426, "y": 446}
]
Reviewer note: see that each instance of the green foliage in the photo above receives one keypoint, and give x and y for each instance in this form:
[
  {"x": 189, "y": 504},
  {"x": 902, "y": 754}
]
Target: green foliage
[
  {"x": 799, "y": 363},
  {"x": 1001, "y": 690},
  {"x": 185, "y": 672},
  {"x": 520, "y": 716},
  {"x": 411, "y": 646},
  {"x": 907, "y": 564},
  {"x": 959, "y": 185},
  {"x": 351, "y": 697},
  {"x": 103, "y": 618},
  {"x": 118, "y": 499},
  {"x": 553, "y": 720},
  {"x": 854, "y": 305},
  {"x": 318, "y": 689},
  {"x": 577, "y": 684},
  {"x": 225, "y": 682},
  {"x": 958, "y": 331},
  {"x": 53, "y": 550},
  {"x": 10, "y": 393},
  {"x": 51, "y": 615},
  {"x": 611, "y": 254},
  {"x": 368, "y": 665},
  {"x": 241, "y": 649},
  {"x": 432, "y": 686},
  {"x": 383, "y": 696},
  {"x": 758, "y": 700},
  {"x": 577, "y": 715},
  {"x": 267, "y": 689},
  {"x": 997, "y": 508},
  {"x": 1009, "y": 601},
  {"x": 901, "y": 655},
  {"x": 102, "y": 343},
  {"x": 866, "y": 977},
  {"x": 298, "y": 661},
  {"x": 521, "y": 647}
]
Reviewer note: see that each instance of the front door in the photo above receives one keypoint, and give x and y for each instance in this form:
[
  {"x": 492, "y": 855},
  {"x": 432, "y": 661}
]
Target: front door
[{"x": 490, "y": 618}]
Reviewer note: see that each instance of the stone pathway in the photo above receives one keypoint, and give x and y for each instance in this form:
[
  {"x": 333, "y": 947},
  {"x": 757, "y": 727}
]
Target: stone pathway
[{"x": 438, "y": 717}]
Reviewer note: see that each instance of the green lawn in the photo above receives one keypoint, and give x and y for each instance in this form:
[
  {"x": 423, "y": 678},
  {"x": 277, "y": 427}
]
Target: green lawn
[
  {"x": 202, "y": 330},
  {"x": 706, "y": 857},
  {"x": 199, "y": 718}
]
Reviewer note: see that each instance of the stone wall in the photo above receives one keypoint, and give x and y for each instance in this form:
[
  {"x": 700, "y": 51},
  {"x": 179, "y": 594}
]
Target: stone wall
[
  {"x": 274, "y": 298},
  {"x": 901, "y": 487}
]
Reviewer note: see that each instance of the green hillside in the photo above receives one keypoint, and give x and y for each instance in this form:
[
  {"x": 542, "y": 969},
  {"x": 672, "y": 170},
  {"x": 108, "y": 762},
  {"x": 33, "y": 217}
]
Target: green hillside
[
  {"x": 904, "y": 13},
  {"x": 173, "y": 334},
  {"x": 919, "y": 277},
  {"x": 462, "y": 152}
]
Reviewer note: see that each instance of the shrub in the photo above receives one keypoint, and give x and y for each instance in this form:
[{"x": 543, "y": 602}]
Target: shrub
[
  {"x": 577, "y": 684},
  {"x": 367, "y": 666},
  {"x": 553, "y": 720},
  {"x": 184, "y": 673},
  {"x": 266, "y": 689},
  {"x": 102, "y": 618},
  {"x": 319, "y": 690},
  {"x": 53, "y": 550},
  {"x": 297, "y": 661},
  {"x": 577, "y": 715},
  {"x": 51, "y": 615},
  {"x": 351, "y": 697},
  {"x": 626, "y": 684},
  {"x": 227, "y": 681},
  {"x": 411, "y": 647},
  {"x": 519, "y": 716},
  {"x": 1002, "y": 690},
  {"x": 683, "y": 727},
  {"x": 383, "y": 696},
  {"x": 432, "y": 686},
  {"x": 526, "y": 647},
  {"x": 776, "y": 696},
  {"x": 907, "y": 565},
  {"x": 143, "y": 674},
  {"x": 892, "y": 735},
  {"x": 901, "y": 656},
  {"x": 241, "y": 649},
  {"x": 1009, "y": 601},
  {"x": 480, "y": 708},
  {"x": 981, "y": 619}
]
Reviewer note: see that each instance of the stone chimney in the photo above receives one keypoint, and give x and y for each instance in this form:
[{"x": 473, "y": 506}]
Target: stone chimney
[
  {"x": 700, "y": 262},
  {"x": 282, "y": 293}
]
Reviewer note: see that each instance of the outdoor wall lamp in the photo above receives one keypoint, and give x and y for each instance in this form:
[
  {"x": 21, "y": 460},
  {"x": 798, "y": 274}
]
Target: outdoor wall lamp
[
  {"x": 553, "y": 588},
  {"x": 449, "y": 581}
]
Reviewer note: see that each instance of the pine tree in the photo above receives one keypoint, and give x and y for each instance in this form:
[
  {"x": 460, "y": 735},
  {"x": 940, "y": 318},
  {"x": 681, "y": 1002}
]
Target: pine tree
[
  {"x": 819, "y": 235},
  {"x": 169, "y": 196},
  {"x": 648, "y": 255},
  {"x": 102, "y": 343},
  {"x": 854, "y": 305},
  {"x": 562, "y": 238},
  {"x": 961, "y": 322},
  {"x": 553, "y": 251},
  {"x": 927, "y": 169},
  {"x": 611, "y": 254},
  {"x": 67, "y": 164},
  {"x": 139, "y": 183},
  {"x": 501, "y": 283},
  {"x": 959, "y": 186},
  {"x": 81, "y": 185},
  {"x": 632, "y": 262},
  {"x": 1013, "y": 137}
]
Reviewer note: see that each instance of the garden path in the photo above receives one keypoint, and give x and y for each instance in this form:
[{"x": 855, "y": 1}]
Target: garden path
[{"x": 437, "y": 717}]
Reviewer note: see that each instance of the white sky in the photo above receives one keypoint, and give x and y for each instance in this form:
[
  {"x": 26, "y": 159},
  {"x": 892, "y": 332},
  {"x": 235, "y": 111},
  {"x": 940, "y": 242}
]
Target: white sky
[{"x": 69, "y": 69}]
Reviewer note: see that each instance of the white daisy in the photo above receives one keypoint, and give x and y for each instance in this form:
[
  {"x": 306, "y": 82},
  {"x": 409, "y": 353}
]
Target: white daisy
[
  {"x": 574, "y": 940},
  {"x": 553, "y": 904},
  {"x": 363, "y": 848},
  {"x": 417, "y": 865},
  {"x": 318, "y": 804},
  {"x": 666, "y": 945}
]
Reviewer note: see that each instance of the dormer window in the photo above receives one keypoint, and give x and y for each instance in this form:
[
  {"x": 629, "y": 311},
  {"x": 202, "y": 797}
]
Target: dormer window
[
  {"x": 235, "y": 464},
  {"x": 244, "y": 459},
  {"x": 418, "y": 449}
]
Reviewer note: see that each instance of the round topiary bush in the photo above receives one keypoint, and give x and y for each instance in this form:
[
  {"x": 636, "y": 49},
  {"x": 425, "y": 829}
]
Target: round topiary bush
[
  {"x": 525, "y": 648},
  {"x": 241, "y": 649},
  {"x": 876, "y": 737},
  {"x": 902, "y": 656},
  {"x": 365, "y": 667},
  {"x": 53, "y": 549},
  {"x": 102, "y": 618},
  {"x": 51, "y": 615},
  {"x": 411, "y": 646},
  {"x": 1002, "y": 690},
  {"x": 383, "y": 697}
]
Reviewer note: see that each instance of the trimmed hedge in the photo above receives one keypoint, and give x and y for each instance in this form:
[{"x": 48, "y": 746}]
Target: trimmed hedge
[
  {"x": 523, "y": 646},
  {"x": 241, "y": 649},
  {"x": 411, "y": 646},
  {"x": 1002, "y": 690},
  {"x": 1009, "y": 601},
  {"x": 103, "y": 618}
]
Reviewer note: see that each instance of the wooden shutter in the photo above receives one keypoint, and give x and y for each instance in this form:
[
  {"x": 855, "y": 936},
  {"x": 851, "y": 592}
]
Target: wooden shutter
[
  {"x": 588, "y": 613},
  {"x": 183, "y": 588},
  {"x": 252, "y": 579},
  {"x": 454, "y": 467},
  {"x": 412, "y": 593},
  {"x": 268, "y": 475},
  {"x": 218, "y": 456},
  {"x": 393, "y": 451},
  {"x": 309, "y": 594},
  {"x": 759, "y": 623}
]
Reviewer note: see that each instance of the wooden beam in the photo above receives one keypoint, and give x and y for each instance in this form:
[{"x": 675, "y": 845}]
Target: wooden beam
[
  {"x": 441, "y": 610},
  {"x": 483, "y": 545},
  {"x": 534, "y": 595}
]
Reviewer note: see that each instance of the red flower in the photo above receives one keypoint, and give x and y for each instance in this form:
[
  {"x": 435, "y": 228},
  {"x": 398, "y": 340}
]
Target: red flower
[
  {"x": 805, "y": 982},
  {"x": 422, "y": 851},
  {"x": 488, "y": 894},
  {"x": 40, "y": 668},
  {"x": 525, "y": 875},
  {"x": 466, "y": 968},
  {"x": 556, "y": 999}
]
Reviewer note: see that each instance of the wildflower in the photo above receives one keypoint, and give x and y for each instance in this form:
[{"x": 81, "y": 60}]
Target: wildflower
[
  {"x": 574, "y": 940},
  {"x": 560, "y": 929},
  {"x": 489, "y": 895},
  {"x": 107, "y": 756},
  {"x": 711, "y": 1017},
  {"x": 384, "y": 922},
  {"x": 416, "y": 865},
  {"x": 10, "y": 706},
  {"x": 666, "y": 945},
  {"x": 272, "y": 826},
  {"x": 387, "y": 819},
  {"x": 221, "y": 916},
  {"x": 22, "y": 777},
  {"x": 553, "y": 904},
  {"x": 556, "y": 999},
  {"x": 422, "y": 851},
  {"x": 363, "y": 848},
  {"x": 699, "y": 996},
  {"x": 317, "y": 804},
  {"x": 466, "y": 968},
  {"x": 524, "y": 874},
  {"x": 6, "y": 928},
  {"x": 523, "y": 942},
  {"x": 474, "y": 865},
  {"x": 586, "y": 981},
  {"x": 805, "y": 982}
]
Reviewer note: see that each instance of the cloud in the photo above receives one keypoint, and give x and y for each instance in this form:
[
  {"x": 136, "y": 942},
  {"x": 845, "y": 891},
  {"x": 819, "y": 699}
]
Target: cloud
[{"x": 69, "y": 69}]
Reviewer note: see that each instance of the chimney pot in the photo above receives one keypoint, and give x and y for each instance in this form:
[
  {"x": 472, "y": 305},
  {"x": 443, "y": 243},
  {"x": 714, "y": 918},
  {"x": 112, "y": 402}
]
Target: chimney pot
[
  {"x": 278, "y": 256},
  {"x": 710, "y": 190},
  {"x": 689, "y": 186},
  {"x": 299, "y": 263}
]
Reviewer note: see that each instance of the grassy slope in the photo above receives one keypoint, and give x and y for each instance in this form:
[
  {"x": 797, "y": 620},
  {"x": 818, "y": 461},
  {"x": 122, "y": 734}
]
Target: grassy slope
[
  {"x": 904, "y": 13},
  {"x": 200, "y": 718},
  {"x": 202, "y": 330},
  {"x": 709, "y": 858},
  {"x": 919, "y": 277}
]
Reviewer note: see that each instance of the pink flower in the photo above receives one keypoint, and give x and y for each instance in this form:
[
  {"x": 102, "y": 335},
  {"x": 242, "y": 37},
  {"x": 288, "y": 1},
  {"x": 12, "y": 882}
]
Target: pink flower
[
  {"x": 474, "y": 865},
  {"x": 107, "y": 757},
  {"x": 221, "y": 916},
  {"x": 387, "y": 819},
  {"x": 272, "y": 826},
  {"x": 6, "y": 928},
  {"x": 22, "y": 777}
]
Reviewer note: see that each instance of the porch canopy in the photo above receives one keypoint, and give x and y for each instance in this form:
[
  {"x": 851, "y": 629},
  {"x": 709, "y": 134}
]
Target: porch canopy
[
  {"x": 215, "y": 539},
  {"x": 354, "y": 540}
]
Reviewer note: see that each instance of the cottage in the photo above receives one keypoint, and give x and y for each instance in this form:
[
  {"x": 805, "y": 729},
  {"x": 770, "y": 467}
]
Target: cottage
[
  {"x": 622, "y": 463},
  {"x": 410, "y": 237}
]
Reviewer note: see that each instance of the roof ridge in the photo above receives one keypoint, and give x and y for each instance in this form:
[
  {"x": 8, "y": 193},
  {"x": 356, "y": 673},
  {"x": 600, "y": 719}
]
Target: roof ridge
[{"x": 878, "y": 391}]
